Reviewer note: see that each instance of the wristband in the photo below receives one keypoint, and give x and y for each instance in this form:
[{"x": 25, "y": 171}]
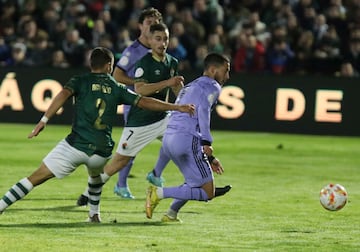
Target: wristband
[
  {"x": 205, "y": 142},
  {"x": 211, "y": 159},
  {"x": 44, "y": 119}
]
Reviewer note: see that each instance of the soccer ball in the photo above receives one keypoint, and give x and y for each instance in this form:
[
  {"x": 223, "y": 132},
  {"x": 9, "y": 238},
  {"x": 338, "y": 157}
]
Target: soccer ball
[{"x": 333, "y": 197}]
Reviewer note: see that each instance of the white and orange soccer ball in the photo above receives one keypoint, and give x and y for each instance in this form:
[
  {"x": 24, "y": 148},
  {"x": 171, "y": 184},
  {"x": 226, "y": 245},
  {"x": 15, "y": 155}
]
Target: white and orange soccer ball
[{"x": 333, "y": 197}]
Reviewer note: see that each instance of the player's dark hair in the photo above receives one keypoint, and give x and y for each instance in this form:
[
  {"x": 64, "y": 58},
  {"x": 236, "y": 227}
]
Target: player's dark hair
[
  {"x": 99, "y": 57},
  {"x": 215, "y": 59},
  {"x": 158, "y": 27},
  {"x": 149, "y": 12}
]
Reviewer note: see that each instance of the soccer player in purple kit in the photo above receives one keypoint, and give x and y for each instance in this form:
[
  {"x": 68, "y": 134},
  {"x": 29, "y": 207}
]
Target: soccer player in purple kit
[{"x": 187, "y": 141}]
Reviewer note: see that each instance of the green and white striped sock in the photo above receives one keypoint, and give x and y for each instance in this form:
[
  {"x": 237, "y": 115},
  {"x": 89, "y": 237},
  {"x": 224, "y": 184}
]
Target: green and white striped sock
[{"x": 15, "y": 193}]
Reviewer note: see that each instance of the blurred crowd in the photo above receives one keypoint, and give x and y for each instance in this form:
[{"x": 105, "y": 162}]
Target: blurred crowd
[{"x": 260, "y": 36}]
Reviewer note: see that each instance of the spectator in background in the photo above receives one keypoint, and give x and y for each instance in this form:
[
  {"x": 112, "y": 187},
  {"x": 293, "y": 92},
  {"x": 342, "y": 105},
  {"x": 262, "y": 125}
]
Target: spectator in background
[
  {"x": 305, "y": 11},
  {"x": 5, "y": 52},
  {"x": 327, "y": 58},
  {"x": 188, "y": 41},
  {"x": 105, "y": 41},
  {"x": 170, "y": 13},
  {"x": 201, "y": 52},
  {"x": 29, "y": 31},
  {"x": 205, "y": 15},
  {"x": 40, "y": 54},
  {"x": 50, "y": 18},
  {"x": 250, "y": 57},
  {"x": 58, "y": 60},
  {"x": 270, "y": 11},
  {"x": 31, "y": 8},
  {"x": 352, "y": 54},
  {"x": 18, "y": 55},
  {"x": 258, "y": 26},
  {"x": 192, "y": 27},
  {"x": 97, "y": 32},
  {"x": 10, "y": 12},
  {"x": 178, "y": 51},
  {"x": 214, "y": 43},
  {"x": 279, "y": 56},
  {"x": 337, "y": 20},
  {"x": 294, "y": 31},
  {"x": 320, "y": 26},
  {"x": 85, "y": 25},
  {"x": 123, "y": 39},
  {"x": 59, "y": 34},
  {"x": 8, "y": 32},
  {"x": 347, "y": 70},
  {"x": 110, "y": 26},
  {"x": 74, "y": 47},
  {"x": 304, "y": 52}
]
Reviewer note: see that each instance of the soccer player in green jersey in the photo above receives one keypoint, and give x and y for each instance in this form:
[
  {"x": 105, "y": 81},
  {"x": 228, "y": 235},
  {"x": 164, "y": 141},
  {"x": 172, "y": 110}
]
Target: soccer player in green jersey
[
  {"x": 124, "y": 73},
  {"x": 96, "y": 96},
  {"x": 155, "y": 75}
]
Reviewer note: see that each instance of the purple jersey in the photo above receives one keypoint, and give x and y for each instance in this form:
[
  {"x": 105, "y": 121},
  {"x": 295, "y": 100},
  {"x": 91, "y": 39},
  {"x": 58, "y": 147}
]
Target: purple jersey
[
  {"x": 130, "y": 56},
  {"x": 203, "y": 92},
  {"x": 127, "y": 61}
]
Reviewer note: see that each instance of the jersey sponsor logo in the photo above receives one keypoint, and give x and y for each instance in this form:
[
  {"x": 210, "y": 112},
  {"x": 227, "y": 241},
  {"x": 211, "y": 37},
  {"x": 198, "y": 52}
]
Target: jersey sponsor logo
[
  {"x": 139, "y": 72},
  {"x": 172, "y": 72},
  {"x": 124, "y": 60}
]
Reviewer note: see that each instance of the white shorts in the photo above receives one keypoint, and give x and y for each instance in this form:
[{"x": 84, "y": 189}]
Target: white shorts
[
  {"x": 134, "y": 139},
  {"x": 64, "y": 159}
]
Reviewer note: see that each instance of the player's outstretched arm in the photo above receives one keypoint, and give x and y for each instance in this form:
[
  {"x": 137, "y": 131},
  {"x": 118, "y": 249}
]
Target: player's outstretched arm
[
  {"x": 146, "y": 89},
  {"x": 158, "y": 105},
  {"x": 56, "y": 104},
  {"x": 121, "y": 76}
]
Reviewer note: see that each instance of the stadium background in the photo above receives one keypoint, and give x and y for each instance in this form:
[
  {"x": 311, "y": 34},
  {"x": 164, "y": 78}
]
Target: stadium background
[{"x": 295, "y": 63}]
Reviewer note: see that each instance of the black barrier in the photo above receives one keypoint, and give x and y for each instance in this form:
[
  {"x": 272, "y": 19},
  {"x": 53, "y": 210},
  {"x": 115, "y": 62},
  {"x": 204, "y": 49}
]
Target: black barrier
[{"x": 266, "y": 103}]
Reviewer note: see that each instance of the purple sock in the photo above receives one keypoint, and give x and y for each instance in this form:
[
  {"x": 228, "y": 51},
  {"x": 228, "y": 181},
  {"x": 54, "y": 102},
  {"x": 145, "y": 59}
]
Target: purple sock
[
  {"x": 177, "y": 204},
  {"x": 124, "y": 173},
  {"x": 161, "y": 163},
  {"x": 185, "y": 192}
]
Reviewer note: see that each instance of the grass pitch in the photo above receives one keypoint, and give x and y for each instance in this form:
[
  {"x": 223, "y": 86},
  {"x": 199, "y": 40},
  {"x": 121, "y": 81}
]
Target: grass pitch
[{"x": 273, "y": 206}]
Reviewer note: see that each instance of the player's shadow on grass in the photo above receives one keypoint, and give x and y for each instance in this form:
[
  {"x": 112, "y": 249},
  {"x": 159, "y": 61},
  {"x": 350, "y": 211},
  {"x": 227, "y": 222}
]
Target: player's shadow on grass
[
  {"x": 103, "y": 224},
  {"x": 77, "y": 209},
  {"x": 115, "y": 198}
]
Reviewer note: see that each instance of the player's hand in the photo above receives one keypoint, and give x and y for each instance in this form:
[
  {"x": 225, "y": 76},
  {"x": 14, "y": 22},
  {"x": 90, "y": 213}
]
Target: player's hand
[
  {"x": 176, "y": 81},
  {"x": 208, "y": 150},
  {"x": 38, "y": 128},
  {"x": 216, "y": 166},
  {"x": 187, "y": 108}
]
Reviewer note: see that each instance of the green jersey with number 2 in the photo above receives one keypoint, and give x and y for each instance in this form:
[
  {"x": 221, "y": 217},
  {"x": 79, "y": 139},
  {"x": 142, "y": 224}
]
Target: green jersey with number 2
[{"x": 96, "y": 97}]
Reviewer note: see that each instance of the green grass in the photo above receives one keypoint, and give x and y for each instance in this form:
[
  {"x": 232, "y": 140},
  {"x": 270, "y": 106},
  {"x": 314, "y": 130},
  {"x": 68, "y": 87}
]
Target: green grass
[{"x": 273, "y": 206}]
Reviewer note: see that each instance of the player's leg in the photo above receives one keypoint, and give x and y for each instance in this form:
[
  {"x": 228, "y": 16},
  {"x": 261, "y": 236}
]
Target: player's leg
[
  {"x": 134, "y": 139},
  {"x": 172, "y": 214},
  {"x": 154, "y": 177},
  {"x": 121, "y": 188},
  {"x": 95, "y": 165},
  {"x": 117, "y": 163},
  {"x": 186, "y": 152},
  {"x": 60, "y": 162},
  {"x": 24, "y": 186}
]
